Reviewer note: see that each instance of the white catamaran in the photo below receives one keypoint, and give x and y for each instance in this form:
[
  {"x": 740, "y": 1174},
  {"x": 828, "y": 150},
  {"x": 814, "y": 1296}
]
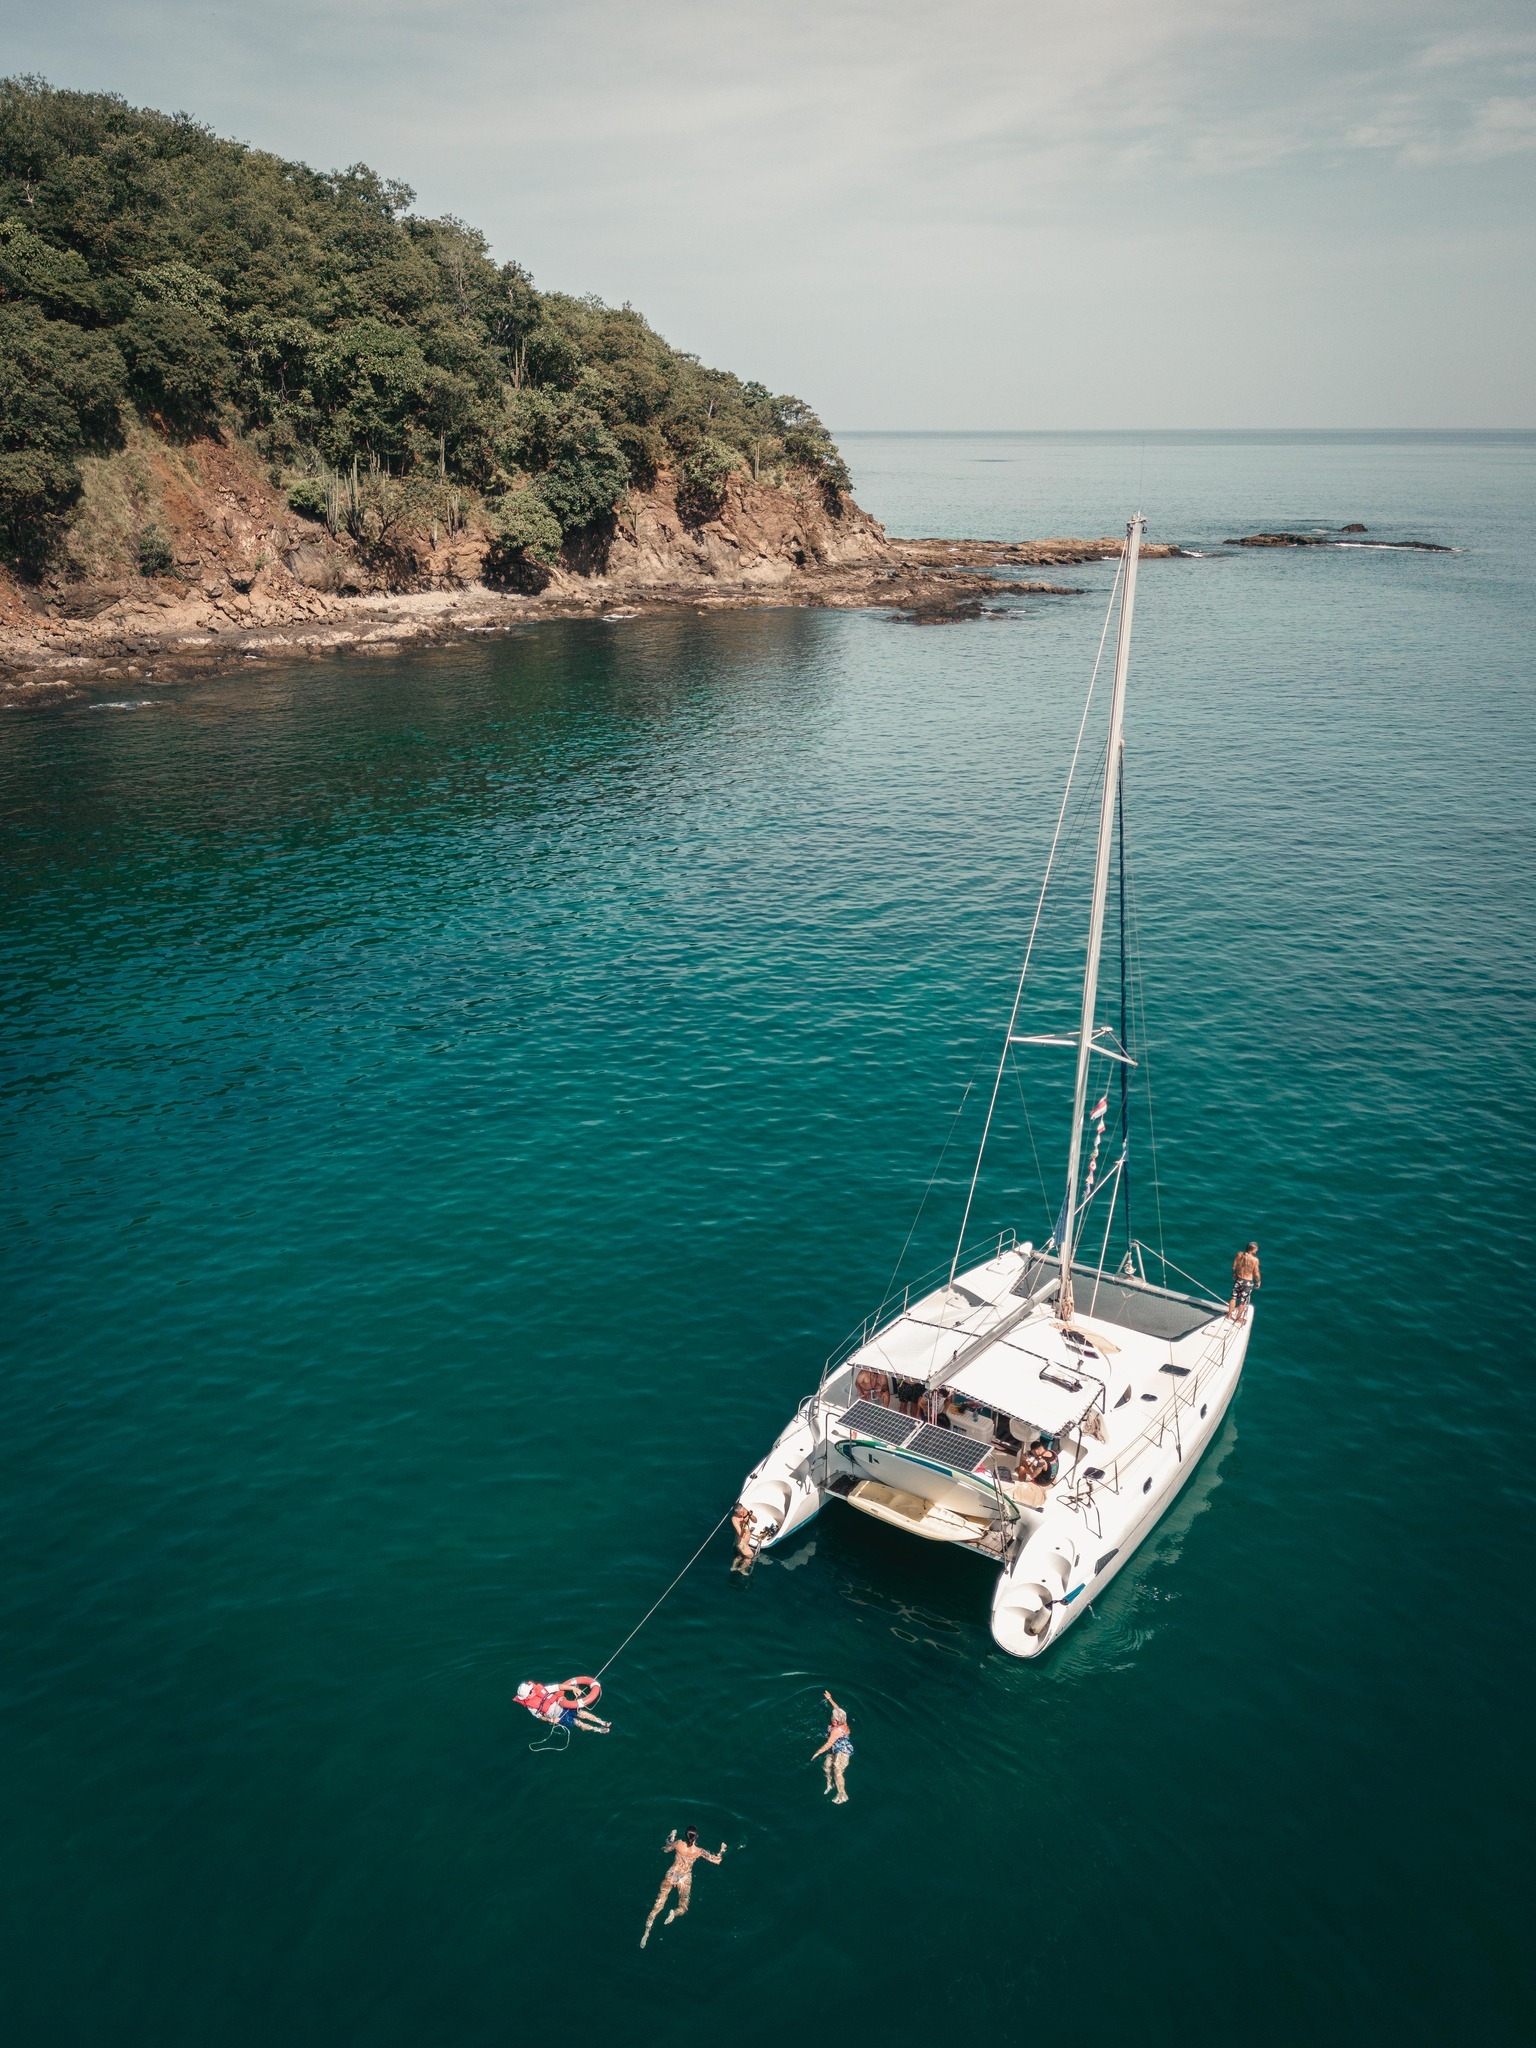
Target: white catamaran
[{"x": 1030, "y": 1408}]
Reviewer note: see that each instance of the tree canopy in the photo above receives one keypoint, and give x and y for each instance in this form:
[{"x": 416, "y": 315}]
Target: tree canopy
[{"x": 146, "y": 262}]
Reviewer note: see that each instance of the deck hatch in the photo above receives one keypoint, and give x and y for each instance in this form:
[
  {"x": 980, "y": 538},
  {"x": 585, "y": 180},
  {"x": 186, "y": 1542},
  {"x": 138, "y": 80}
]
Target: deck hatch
[{"x": 887, "y": 1424}]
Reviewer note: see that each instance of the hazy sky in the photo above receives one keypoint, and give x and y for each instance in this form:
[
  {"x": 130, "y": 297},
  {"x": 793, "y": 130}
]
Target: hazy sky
[{"x": 1125, "y": 213}]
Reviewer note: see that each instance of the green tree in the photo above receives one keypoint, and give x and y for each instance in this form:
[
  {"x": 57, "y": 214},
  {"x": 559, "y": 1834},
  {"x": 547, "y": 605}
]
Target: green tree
[
  {"x": 587, "y": 473},
  {"x": 177, "y": 364},
  {"x": 61, "y": 393},
  {"x": 703, "y": 477},
  {"x": 316, "y": 311},
  {"x": 526, "y": 531}
]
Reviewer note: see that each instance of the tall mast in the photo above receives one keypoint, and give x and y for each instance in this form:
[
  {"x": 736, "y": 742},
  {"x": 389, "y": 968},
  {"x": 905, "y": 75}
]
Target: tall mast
[
  {"x": 1123, "y": 1190},
  {"x": 1133, "y": 533}
]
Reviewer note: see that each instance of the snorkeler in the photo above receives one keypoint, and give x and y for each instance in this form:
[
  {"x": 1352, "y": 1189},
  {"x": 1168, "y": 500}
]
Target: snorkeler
[
  {"x": 836, "y": 1752},
  {"x": 680, "y": 1875}
]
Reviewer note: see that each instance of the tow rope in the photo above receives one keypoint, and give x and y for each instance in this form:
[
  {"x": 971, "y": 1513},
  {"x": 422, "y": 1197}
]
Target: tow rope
[
  {"x": 548, "y": 1745},
  {"x": 687, "y": 1568}
]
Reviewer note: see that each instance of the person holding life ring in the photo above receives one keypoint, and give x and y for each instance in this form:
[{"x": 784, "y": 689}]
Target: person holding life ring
[{"x": 566, "y": 1705}]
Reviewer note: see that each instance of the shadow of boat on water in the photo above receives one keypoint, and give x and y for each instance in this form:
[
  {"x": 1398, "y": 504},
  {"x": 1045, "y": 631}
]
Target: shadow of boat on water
[{"x": 937, "y": 1598}]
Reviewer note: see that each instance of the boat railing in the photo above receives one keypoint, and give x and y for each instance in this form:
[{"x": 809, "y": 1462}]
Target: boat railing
[
  {"x": 913, "y": 1290},
  {"x": 1140, "y": 1253},
  {"x": 1154, "y": 1436}
]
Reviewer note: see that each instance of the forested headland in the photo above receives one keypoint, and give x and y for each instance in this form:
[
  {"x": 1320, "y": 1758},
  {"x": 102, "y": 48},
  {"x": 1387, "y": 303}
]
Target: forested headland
[{"x": 385, "y": 368}]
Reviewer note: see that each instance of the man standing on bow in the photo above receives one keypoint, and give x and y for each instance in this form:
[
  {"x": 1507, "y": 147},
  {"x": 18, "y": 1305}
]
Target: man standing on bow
[{"x": 1245, "y": 1277}]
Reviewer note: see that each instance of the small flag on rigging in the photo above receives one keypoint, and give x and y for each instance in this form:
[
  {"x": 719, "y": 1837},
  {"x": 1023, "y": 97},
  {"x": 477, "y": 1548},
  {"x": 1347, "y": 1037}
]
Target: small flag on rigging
[{"x": 1098, "y": 1109}]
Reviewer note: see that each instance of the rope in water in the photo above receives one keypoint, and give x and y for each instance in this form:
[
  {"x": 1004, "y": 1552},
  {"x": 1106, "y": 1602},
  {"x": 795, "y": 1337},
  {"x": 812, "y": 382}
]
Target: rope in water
[{"x": 688, "y": 1567}]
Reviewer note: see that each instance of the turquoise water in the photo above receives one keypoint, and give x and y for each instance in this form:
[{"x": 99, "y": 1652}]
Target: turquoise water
[{"x": 453, "y": 1101}]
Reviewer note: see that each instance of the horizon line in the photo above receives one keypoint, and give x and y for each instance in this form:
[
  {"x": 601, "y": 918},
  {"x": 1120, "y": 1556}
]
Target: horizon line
[{"x": 1167, "y": 433}]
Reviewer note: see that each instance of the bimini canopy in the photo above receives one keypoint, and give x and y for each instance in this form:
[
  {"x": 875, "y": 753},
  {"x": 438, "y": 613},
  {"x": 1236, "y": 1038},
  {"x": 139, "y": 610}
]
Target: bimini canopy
[{"x": 1033, "y": 1384}]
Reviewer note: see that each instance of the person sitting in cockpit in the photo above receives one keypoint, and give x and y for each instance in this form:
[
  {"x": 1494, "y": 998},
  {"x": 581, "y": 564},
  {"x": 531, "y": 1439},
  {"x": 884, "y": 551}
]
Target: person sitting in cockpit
[
  {"x": 873, "y": 1385},
  {"x": 1040, "y": 1463}
]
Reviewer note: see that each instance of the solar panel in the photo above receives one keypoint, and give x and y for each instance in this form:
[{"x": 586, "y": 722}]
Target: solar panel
[
  {"x": 886, "y": 1424},
  {"x": 952, "y": 1447}
]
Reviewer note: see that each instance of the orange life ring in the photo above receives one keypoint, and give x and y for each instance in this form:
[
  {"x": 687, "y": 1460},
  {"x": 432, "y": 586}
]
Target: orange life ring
[{"x": 591, "y": 1691}]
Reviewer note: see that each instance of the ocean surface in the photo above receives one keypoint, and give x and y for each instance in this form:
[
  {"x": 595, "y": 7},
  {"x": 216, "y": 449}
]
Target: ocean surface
[{"x": 453, "y": 1101}]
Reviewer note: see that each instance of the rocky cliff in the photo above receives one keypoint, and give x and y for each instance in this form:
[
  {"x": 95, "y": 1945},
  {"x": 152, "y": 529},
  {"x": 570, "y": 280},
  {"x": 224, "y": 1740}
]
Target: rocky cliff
[
  {"x": 192, "y": 553},
  {"x": 186, "y": 545}
]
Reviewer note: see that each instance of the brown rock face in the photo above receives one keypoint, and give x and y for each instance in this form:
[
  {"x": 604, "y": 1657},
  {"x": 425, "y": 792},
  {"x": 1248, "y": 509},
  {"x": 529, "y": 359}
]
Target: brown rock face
[
  {"x": 248, "y": 575},
  {"x": 761, "y": 539}
]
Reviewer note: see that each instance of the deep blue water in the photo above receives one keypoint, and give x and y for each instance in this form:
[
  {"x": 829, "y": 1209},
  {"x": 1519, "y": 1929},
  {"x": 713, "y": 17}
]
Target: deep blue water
[{"x": 451, "y": 1103}]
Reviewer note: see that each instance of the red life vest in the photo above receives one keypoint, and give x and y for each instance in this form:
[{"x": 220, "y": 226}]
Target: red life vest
[{"x": 542, "y": 1701}]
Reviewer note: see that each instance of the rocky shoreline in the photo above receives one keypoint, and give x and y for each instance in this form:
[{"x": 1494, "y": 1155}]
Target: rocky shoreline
[
  {"x": 379, "y": 624},
  {"x": 249, "y": 581}
]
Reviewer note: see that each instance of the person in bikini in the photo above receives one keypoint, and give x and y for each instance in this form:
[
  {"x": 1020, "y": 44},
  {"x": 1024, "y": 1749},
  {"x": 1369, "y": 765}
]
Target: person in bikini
[
  {"x": 836, "y": 1752},
  {"x": 1245, "y": 1277},
  {"x": 751, "y": 1535},
  {"x": 679, "y": 1877}
]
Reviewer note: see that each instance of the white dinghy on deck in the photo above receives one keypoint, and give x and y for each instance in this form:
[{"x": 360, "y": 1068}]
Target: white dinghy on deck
[{"x": 1030, "y": 1407}]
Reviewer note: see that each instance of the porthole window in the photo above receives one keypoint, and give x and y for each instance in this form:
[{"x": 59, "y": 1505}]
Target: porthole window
[
  {"x": 1146, "y": 1486},
  {"x": 1203, "y": 1406}
]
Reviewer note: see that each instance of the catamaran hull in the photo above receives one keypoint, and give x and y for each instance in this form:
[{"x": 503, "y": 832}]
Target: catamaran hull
[{"x": 1072, "y": 1557}]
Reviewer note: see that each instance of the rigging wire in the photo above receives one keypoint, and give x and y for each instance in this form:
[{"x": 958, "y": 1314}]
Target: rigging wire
[
  {"x": 890, "y": 1285},
  {"x": 1034, "y": 1148},
  {"x": 1139, "y": 1007},
  {"x": 1163, "y": 1260},
  {"x": 1018, "y": 994}
]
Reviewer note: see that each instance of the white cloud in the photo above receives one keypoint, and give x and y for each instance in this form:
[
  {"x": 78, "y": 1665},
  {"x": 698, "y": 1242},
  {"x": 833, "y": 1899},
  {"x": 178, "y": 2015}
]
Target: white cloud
[
  {"x": 1428, "y": 136},
  {"x": 1518, "y": 50}
]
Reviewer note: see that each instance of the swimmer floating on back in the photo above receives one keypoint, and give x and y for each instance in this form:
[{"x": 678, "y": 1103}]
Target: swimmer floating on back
[
  {"x": 684, "y": 1855},
  {"x": 565, "y": 1705},
  {"x": 837, "y": 1751}
]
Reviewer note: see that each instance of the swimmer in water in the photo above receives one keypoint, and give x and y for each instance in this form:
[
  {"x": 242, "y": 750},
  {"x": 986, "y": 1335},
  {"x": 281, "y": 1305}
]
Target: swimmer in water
[
  {"x": 836, "y": 1752},
  {"x": 684, "y": 1855}
]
